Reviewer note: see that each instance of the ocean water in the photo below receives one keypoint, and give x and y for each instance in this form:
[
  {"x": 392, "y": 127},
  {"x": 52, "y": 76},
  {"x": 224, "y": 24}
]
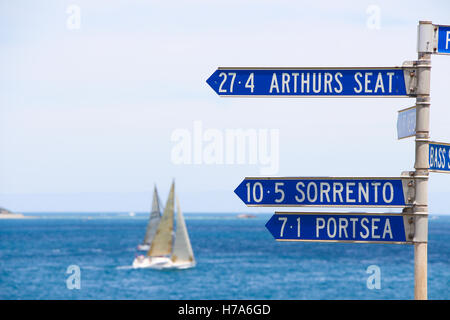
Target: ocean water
[{"x": 236, "y": 259}]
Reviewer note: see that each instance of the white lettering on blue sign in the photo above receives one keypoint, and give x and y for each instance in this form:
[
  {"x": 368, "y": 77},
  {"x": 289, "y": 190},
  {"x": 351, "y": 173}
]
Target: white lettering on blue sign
[
  {"x": 337, "y": 227},
  {"x": 308, "y": 82},
  {"x": 447, "y": 40},
  {"x": 443, "y": 45},
  {"x": 345, "y": 228},
  {"x": 439, "y": 157},
  {"x": 322, "y": 192},
  {"x": 354, "y": 192}
]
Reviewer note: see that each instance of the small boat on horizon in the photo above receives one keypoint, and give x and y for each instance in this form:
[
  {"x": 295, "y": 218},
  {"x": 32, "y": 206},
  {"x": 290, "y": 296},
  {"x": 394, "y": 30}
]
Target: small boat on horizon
[
  {"x": 169, "y": 250},
  {"x": 153, "y": 222},
  {"x": 246, "y": 216}
]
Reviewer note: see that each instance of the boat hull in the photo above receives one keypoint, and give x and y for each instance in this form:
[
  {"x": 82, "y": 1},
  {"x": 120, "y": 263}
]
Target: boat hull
[
  {"x": 160, "y": 263},
  {"x": 150, "y": 262},
  {"x": 179, "y": 266}
]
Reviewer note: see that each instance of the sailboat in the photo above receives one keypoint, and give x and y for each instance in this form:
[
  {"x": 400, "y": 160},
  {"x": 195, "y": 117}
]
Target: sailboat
[
  {"x": 153, "y": 222},
  {"x": 164, "y": 252}
]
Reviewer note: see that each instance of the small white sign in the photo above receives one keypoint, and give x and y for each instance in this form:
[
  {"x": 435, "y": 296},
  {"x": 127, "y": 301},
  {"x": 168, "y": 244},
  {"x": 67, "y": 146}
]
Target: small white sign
[{"x": 406, "y": 123}]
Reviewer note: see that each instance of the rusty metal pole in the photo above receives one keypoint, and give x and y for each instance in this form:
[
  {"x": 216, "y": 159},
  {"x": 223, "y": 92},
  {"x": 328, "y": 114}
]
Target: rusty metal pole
[{"x": 421, "y": 165}]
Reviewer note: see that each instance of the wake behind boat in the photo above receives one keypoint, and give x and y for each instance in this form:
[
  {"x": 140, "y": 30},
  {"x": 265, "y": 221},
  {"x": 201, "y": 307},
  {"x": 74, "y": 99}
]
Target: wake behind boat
[
  {"x": 153, "y": 222},
  {"x": 164, "y": 252}
]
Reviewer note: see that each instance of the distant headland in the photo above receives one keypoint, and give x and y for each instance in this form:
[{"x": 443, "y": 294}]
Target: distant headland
[{"x": 6, "y": 214}]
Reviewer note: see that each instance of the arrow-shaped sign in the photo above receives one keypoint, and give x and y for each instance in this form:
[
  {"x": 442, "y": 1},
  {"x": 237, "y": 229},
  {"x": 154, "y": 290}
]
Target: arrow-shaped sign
[
  {"x": 312, "y": 82},
  {"x": 406, "y": 123},
  {"x": 327, "y": 191},
  {"x": 341, "y": 227}
]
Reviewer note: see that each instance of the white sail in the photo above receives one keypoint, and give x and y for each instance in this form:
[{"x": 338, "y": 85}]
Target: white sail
[
  {"x": 182, "y": 251},
  {"x": 155, "y": 217},
  {"x": 162, "y": 242}
]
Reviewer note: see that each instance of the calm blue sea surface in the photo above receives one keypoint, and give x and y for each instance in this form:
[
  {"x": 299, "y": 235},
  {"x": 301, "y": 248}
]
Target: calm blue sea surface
[{"x": 236, "y": 259}]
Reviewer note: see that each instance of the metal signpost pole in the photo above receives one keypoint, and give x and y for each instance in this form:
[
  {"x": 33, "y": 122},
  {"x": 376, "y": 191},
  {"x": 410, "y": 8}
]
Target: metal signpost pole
[{"x": 420, "y": 209}]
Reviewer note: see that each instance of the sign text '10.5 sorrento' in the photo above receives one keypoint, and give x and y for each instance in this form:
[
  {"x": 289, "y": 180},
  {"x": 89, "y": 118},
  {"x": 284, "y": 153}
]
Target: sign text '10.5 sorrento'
[{"x": 327, "y": 191}]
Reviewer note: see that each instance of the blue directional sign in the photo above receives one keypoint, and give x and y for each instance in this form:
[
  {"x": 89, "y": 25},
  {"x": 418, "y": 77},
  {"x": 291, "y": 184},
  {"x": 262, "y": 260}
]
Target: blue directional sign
[
  {"x": 439, "y": 156},
  {"x": 340, "y": 227},
  {"x": 326, "y": 191},
  {"x": 406, "y": 123},
  {"x": 443, "y": 40},
  {"x": 309, "y": 82}
]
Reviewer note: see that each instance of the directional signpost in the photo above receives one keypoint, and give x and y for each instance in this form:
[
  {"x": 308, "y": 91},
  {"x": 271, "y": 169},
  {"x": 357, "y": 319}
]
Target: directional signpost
[
  {"x": 439, "y": 157},
  {"x": 312, "y": 82},
  {"x": 341, "y": 227},
  {"x": 410, "y": 191},
  {"x": 327, "y": 192}
]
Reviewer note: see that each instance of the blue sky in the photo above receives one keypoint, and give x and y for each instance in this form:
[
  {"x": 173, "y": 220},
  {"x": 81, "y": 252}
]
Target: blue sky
[{"x": 86, "y": 115}]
